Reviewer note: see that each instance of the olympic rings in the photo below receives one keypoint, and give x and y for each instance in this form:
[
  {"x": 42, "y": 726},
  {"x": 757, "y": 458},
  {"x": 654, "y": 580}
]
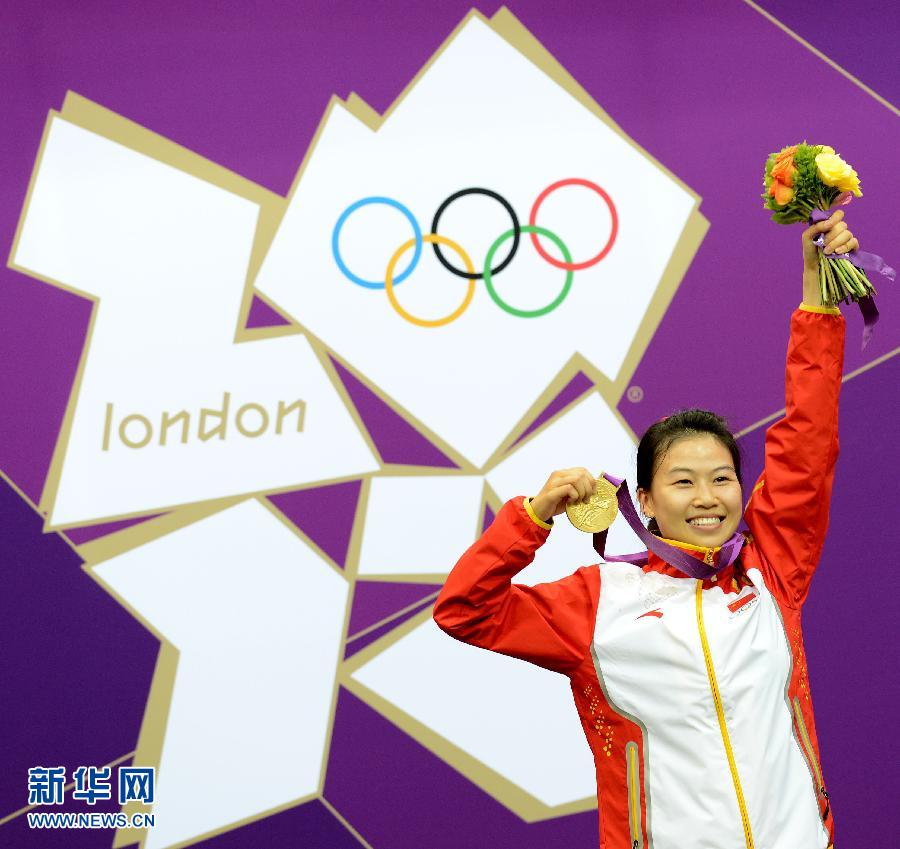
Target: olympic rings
[
  {"x": 506, "y": 205},
  {"x": 569, "y": 265},
  {"x": 487, "y": 274},
  {"x": 489, "y": 282},
  {"x": 434, "y": 239},
  {"x": 375, "y": 284}
]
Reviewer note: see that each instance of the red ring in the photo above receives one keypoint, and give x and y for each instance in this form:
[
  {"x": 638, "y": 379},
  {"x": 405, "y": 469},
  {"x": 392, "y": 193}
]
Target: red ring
[{"x": 574, "y": 266}]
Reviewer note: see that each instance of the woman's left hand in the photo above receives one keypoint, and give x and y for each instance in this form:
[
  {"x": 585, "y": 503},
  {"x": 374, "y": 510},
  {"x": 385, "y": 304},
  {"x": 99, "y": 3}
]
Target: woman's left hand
[{"x": 838, "y": 240}]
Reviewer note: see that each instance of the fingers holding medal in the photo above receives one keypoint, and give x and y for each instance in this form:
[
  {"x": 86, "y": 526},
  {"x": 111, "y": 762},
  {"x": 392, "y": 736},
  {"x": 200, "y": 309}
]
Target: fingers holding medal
[
  {"x": 597, "y": 512},
  {"x": 563, "y": 485},
  {"x": 589, "y": 502}
]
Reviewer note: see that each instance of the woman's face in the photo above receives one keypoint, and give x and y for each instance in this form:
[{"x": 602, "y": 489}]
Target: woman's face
[{"x": 695, "y": 495}]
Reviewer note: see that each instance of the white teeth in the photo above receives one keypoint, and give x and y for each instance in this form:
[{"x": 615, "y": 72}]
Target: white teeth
[{"x": 705, "y": 521}]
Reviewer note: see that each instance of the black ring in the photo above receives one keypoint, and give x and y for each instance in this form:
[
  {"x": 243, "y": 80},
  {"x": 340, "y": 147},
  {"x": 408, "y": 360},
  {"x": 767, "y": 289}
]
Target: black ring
[{"x": 516, "y": 232}]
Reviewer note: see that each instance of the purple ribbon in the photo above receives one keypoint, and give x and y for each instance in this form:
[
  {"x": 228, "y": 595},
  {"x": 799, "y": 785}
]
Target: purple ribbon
[
  {"x": 861, "y": 259},
  {"x": 674, "y": 556}
]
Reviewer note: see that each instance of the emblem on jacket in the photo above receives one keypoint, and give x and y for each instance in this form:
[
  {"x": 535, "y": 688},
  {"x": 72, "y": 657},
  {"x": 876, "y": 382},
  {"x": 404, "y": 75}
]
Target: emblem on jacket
[{"x": 743, "y": 604}]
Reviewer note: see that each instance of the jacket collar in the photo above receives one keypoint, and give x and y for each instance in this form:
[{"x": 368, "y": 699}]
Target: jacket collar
[{"x": 655, "y": 563}]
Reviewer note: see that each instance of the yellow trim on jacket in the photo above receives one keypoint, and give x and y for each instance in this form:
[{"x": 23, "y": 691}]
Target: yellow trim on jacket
[
  {"x": 534, "y": 516},
  {"x": 822, "y": 310},
  {"x": 690, "y": 546}
]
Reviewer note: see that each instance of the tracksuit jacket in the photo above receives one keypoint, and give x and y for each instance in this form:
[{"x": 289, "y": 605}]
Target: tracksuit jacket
[{"x": 693, "y": 695}]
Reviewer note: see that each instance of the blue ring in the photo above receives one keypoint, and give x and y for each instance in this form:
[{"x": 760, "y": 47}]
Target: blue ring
[{"x": 370, "y": 284}]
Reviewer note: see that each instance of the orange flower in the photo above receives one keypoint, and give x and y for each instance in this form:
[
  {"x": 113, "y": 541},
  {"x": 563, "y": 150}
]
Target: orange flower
[
  {"x": 783, "y": 170},
  {"x": 782, "y": 192}
]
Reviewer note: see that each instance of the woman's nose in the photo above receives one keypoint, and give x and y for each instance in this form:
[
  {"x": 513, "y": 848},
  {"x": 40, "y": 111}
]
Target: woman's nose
[{"x": 705, "y": 495}]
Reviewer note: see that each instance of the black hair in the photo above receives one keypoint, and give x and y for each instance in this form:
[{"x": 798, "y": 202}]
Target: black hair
[{"x": 658, "y": 438}]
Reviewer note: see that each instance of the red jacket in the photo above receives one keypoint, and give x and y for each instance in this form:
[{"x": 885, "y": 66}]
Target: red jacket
[{"x": 693, "y": 695}]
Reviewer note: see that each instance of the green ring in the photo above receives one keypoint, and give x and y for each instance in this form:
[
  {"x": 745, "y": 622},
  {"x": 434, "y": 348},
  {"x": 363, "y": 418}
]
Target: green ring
[{"x": 488, "y": 280}]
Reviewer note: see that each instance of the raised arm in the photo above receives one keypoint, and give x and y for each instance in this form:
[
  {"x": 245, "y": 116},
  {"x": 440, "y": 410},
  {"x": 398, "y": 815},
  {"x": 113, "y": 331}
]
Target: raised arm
[
  {"x": 550, "y": 625},
  {"x": 788, "y": 509}
]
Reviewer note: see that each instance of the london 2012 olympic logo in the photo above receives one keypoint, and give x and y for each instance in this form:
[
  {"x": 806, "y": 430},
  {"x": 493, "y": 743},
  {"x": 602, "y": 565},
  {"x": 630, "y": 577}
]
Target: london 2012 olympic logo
[{"x": 489, "y": 271}]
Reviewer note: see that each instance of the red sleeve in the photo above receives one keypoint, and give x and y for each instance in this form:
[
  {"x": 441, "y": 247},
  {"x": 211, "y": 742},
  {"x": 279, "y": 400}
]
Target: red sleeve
[
  {"x": 788, "y": 509},
  {"x": 550, "y": 625}
]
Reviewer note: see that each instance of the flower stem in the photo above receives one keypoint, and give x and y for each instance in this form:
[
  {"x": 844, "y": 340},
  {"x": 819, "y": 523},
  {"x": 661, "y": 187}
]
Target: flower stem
[{"x": 833, "y": 296}]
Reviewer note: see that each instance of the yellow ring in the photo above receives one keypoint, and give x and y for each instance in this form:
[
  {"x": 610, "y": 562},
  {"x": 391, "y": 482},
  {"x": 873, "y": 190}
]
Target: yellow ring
[{"x": 432, "y": 238}]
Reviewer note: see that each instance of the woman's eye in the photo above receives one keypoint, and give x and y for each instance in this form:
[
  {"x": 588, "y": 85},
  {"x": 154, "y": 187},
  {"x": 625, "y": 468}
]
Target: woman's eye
[
  {"x": 723, "y": 478},
  {"x": 683, "y": 480}
]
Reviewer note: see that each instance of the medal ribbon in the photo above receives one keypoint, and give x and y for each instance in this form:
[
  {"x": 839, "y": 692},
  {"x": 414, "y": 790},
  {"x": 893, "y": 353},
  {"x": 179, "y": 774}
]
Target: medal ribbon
[
  {"x": 674, "y": 556},
  {"x": 861, "y": 259}
]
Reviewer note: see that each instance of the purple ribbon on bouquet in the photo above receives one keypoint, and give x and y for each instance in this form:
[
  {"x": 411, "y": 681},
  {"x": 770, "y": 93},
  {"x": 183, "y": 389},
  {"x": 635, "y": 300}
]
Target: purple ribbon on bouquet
[
  {"x": 861, "y": 259},
  {"x": 674, "y": 556}
]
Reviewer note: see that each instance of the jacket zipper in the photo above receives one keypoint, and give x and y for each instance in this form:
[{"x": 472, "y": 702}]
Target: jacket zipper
[
  {"x": 634, "y": 795},
  {"x": 811, "y": 756},
  {"x": 720, "y": 713}
]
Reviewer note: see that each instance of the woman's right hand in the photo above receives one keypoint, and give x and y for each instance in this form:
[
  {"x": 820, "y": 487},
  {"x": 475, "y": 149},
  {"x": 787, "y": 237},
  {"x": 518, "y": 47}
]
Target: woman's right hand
[{"x": 563, "y": 486}]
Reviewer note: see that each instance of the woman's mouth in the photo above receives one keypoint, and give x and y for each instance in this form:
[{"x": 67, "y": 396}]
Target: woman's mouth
[{"x": 706, "y": 521}]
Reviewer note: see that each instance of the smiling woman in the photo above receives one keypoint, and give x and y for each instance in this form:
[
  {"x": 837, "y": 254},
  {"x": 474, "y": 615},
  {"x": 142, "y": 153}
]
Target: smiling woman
[
  {"x": 689, "y": 678},
  {"x": 689, "y": 478}
]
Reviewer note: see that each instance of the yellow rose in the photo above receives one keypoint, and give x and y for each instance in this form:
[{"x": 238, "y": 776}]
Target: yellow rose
[{"x": 833, "y": 171}]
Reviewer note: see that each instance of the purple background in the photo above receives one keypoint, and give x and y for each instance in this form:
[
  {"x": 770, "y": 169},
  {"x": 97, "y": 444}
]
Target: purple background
[{"x": 708, "y": 89}]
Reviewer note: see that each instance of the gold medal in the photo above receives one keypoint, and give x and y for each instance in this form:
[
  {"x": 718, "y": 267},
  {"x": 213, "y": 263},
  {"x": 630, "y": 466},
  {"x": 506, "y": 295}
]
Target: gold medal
[{"x": 598, "y": 512}]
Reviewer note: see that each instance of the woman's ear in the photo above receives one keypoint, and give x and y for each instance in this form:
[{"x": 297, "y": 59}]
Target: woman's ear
[{"x": 646, "y": 502}]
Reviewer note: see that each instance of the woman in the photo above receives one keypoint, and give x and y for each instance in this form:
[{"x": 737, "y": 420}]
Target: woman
[{"x": 692, "y": 693}]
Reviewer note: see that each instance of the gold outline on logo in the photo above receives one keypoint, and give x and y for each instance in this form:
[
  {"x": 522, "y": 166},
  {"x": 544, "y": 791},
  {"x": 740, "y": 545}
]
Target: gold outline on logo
[{"x": 93, "y": 117}]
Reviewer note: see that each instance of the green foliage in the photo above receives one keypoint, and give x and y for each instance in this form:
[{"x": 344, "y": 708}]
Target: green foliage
[{"x": 809, "y": 191}]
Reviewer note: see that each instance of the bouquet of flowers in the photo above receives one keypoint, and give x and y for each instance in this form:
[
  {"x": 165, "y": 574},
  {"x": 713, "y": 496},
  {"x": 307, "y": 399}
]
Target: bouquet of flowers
[{"x": 803, "y": 178}]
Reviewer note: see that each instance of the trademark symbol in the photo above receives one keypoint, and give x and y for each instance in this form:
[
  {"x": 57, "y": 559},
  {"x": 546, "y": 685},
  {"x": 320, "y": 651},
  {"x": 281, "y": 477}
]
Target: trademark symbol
[{"x": 635, "y": 394}]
